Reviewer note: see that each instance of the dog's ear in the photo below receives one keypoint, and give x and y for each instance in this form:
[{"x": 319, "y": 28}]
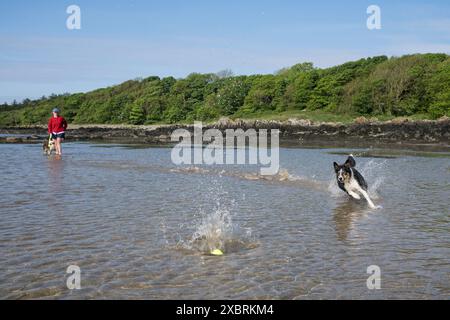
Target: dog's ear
[
  {"x": 336, "y": 166},
  {"x": 350, "y": 162}
]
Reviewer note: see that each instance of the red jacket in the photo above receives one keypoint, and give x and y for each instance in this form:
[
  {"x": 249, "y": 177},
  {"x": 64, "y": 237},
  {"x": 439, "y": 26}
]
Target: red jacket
[{"x": 57, "y": 125}]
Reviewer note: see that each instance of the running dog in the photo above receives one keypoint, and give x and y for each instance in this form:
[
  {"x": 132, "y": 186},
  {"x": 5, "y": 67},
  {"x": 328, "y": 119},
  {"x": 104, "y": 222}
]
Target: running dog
[
  {"x": 48, "y": 146},
  {"x": 351, "y": 181}
]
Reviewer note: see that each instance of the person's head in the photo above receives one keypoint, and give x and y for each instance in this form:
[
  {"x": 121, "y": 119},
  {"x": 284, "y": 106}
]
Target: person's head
[{"x": 55, "y": 112}]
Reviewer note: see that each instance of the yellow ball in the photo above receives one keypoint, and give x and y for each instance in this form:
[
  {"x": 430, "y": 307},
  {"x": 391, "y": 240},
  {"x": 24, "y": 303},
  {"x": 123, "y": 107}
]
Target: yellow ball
[{"x": 216, "y": 252}]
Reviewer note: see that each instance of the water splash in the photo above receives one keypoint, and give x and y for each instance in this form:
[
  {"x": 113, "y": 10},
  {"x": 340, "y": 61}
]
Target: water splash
[
  {"x": 213, "y": 232},
  {"x": 333, "y": 188},
  {"x": 215, "y": 229},
  {"x": 373, "y": 171}
]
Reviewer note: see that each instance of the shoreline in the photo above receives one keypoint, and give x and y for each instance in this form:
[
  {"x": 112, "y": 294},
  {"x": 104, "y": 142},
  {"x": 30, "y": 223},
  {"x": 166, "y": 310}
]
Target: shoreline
[{"x": 293, "y": 131}]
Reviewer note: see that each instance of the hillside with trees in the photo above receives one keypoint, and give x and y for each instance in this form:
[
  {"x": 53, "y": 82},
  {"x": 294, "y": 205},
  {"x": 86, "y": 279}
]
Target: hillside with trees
[{"x": 413, "y": 85}]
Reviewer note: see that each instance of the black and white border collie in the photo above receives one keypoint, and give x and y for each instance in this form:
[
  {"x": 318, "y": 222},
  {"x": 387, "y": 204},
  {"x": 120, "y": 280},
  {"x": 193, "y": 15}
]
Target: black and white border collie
[{"x": 351, "y": 181}]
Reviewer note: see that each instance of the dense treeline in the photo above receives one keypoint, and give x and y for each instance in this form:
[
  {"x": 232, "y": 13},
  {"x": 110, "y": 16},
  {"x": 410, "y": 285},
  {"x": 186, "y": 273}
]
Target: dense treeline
[{"x": 378, "y": 86}]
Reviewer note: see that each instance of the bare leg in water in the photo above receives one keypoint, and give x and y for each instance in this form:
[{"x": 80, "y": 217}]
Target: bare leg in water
[{"x": 58, "y": 142}]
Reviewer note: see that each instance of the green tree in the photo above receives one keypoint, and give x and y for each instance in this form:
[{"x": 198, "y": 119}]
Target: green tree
[
  {"x": 261, "y": 95},
  {"x": 298, "y": 91},
  {"x": 438, "y": 90},
  {"x": 362, "y": 100},
  {"x": 137, "y": 114},
  {"x": 231, "y": 96}
]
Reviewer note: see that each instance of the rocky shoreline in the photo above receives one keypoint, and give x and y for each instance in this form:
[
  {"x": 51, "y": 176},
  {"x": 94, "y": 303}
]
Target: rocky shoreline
[{"x": 293, "y": 130}]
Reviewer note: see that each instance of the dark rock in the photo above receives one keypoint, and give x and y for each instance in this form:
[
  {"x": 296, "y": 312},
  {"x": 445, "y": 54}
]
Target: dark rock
[{"x": 292, "y": 129}]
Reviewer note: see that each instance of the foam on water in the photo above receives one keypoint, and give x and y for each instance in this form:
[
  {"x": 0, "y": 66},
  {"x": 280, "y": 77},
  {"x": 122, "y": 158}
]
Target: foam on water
[
  {"x": 285, "y": 177},
  {"x": 190, "y": 169},
  {"x": 372, "y": 171}
]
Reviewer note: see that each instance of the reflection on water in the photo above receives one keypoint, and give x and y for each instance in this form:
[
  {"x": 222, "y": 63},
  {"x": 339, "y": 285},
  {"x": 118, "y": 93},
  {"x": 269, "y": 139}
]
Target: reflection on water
[
  {"x": 55, "y": 166},
  {"x": 140, "y": 227},
  {"x": 346, "y": 214}
]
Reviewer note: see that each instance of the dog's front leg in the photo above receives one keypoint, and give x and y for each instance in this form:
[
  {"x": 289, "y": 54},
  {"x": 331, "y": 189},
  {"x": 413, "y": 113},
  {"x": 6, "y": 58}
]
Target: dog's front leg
[
  {"x": 354, "y": 195},
  {"x": 369, "y": 201}
]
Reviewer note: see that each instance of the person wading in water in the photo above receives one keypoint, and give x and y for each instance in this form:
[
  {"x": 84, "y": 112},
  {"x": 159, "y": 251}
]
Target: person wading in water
[{"x": 57, "y": 126}]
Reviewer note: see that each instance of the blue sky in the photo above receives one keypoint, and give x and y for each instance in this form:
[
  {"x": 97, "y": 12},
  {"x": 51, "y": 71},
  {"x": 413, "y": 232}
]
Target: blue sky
[{"x": 121, "y": 40}]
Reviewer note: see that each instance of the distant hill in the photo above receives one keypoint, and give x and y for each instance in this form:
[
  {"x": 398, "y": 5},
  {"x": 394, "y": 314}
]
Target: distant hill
[{"x": 410, "y": 85}]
